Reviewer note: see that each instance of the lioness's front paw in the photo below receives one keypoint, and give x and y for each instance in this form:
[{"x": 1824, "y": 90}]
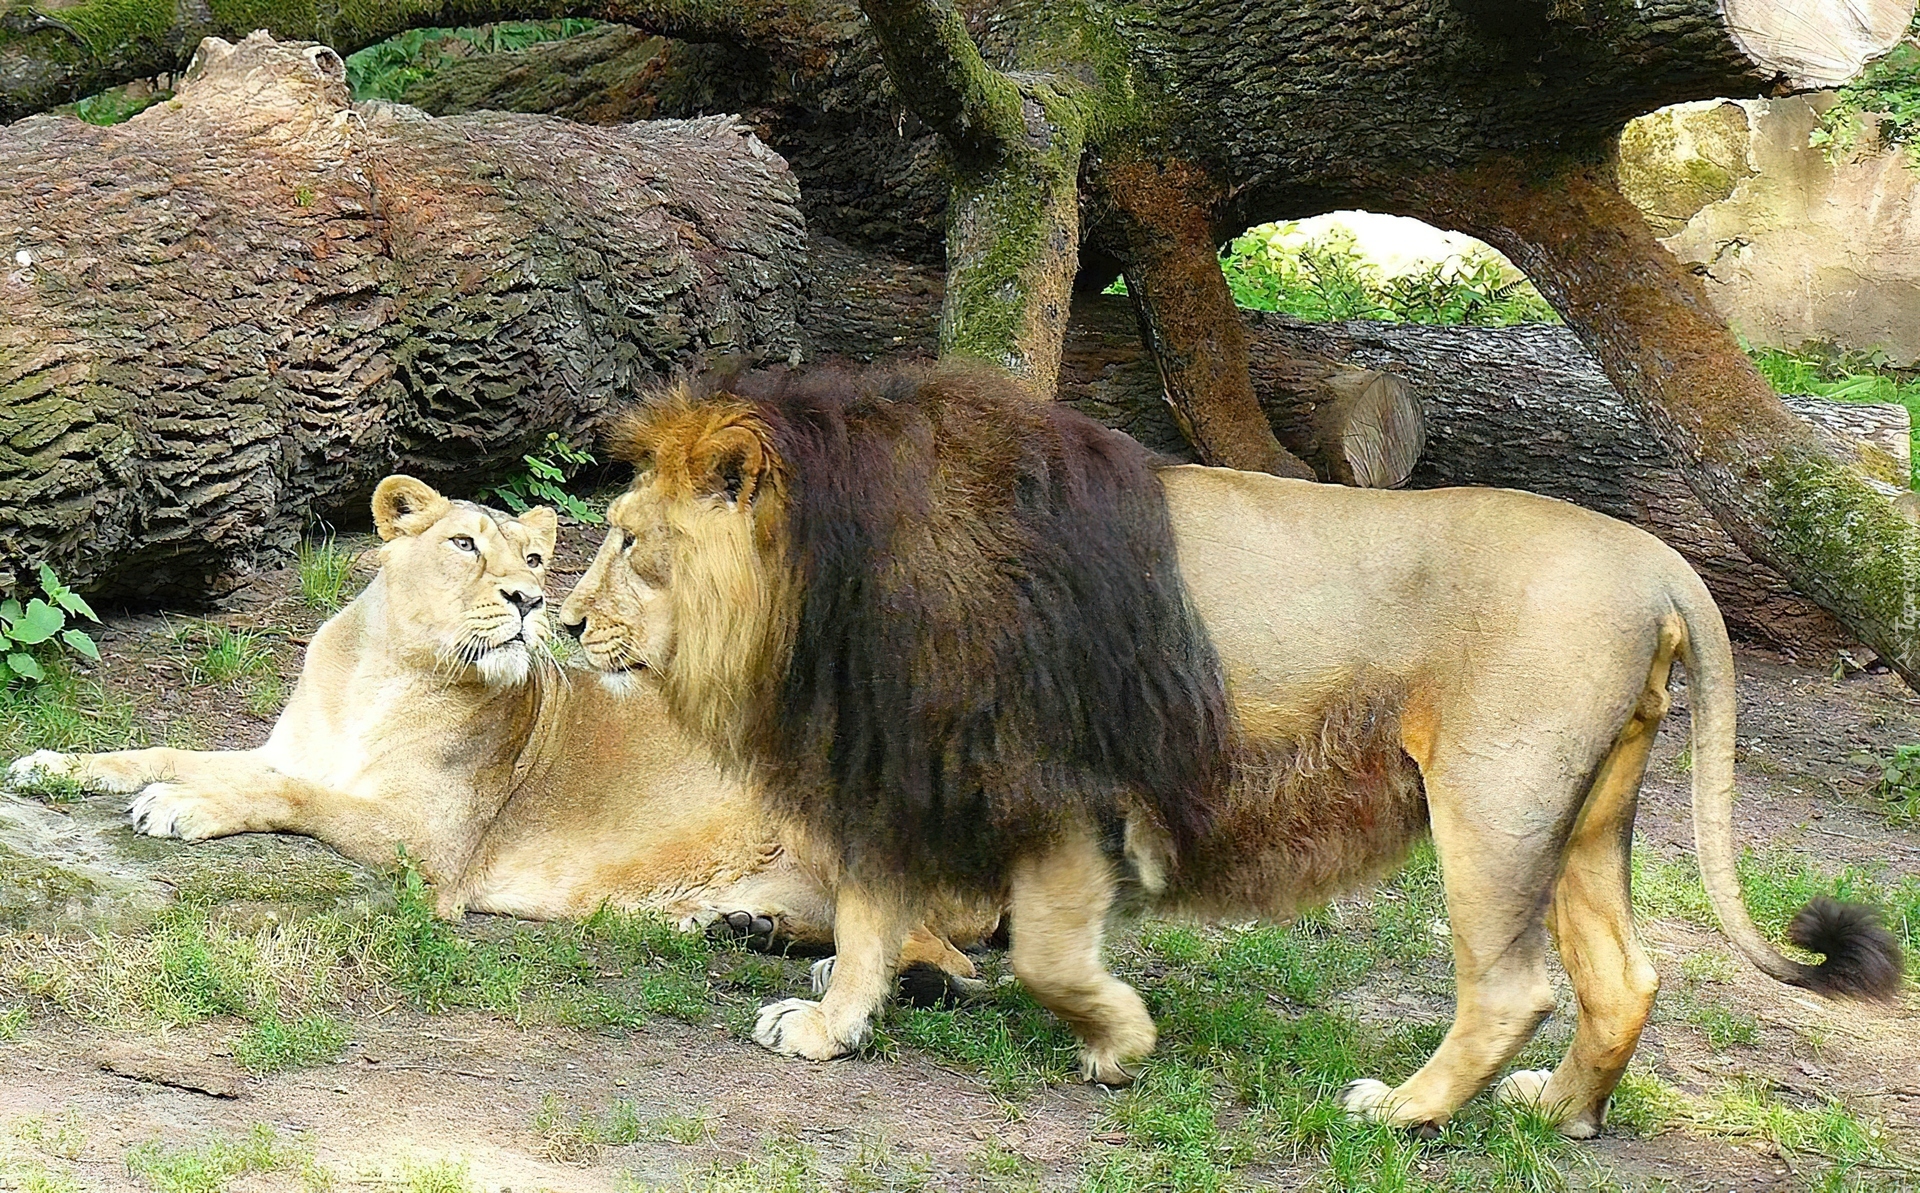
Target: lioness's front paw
[
  {"x": 173, "y": 810},
  {"x": 39, "y": 769},
  {"x": 796, "y": 1027}
]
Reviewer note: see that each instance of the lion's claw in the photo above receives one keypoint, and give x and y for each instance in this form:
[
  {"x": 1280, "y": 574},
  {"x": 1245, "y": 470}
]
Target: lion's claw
[{"x": 171, "y": 810}]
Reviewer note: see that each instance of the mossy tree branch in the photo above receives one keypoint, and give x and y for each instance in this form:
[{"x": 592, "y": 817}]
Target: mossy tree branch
[
  {"x": 1013, "y": 218},
  {"x": 1828, "y": 528}
]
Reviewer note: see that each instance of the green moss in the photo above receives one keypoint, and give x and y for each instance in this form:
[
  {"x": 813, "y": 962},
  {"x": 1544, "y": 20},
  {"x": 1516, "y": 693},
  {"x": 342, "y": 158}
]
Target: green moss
[
  {"x": 1846, "y": 544},
  {"x": 29, "y": 887},
  {"x": 109, "y": 27}
]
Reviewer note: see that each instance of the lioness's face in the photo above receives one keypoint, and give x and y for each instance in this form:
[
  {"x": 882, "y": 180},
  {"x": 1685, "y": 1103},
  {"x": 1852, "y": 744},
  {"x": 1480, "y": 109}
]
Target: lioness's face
[
  {"x": 462, "y": 583},
  {"x": 622, "y": 609}
]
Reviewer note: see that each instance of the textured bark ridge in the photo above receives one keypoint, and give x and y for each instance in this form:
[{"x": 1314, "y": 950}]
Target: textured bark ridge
[
  {"x": 1518, "y": 407},
  {"x": 233, "y": 314}
]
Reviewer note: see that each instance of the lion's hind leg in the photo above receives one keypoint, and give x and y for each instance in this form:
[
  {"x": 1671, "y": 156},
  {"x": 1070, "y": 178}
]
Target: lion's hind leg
[
  {"x": 1497, "y": 890},
  {"x": 1059, "y": 907},
  {"x": 1614, "y": 981}
]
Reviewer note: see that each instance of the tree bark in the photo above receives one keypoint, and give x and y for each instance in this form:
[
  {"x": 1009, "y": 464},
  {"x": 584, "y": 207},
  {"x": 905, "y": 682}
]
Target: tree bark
[
  {"x": 1517, "y": 407},
  {"x": 1283, "y": 108},
  {"x": 233, "y": 314}
]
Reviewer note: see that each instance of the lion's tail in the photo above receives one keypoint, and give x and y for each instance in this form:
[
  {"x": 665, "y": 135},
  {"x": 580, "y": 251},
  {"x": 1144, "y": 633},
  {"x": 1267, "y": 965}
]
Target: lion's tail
[{"x": 1862, "y": 956}]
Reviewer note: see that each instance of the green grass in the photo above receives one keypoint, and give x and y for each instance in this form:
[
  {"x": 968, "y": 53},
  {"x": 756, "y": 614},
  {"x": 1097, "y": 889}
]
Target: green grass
[
  {"x": 270, "y": 1044},
  {"x": 218, "y": 654},
  {"x": 1845, "y": 377},
  {"x": 1723, "y": 1026},
  {"x": 213, "y": 1166},
  {"x": 68, "y": 711},
  {"x": 434, "y": 1176},
  {"x": 326, "y": 571},
  {"x": 387, "y": 69}
]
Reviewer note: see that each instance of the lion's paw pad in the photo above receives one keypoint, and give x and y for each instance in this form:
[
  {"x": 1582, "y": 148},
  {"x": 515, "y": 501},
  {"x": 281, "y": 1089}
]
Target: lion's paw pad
[
  {"x": 749, "y": 928},
  {"x": 171, "y": 810},
  {"x": 796, "y": 1027},
  {"x": 1102, "y": 1067}
]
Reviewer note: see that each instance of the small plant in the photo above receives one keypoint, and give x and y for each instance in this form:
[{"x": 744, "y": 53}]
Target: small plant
[
  {"x": 1724, "y": 1028},
  {"x": 222, "y": 654},
  {"x": 1899, "y": 784},
  {"x": 213, "y": 1166},
  {"x": 547, "y": 471},
  {"x": 325, "y": 569},
  {"x": 12, "y": 1021},
  {"x": 42, "y": 623},
  {"x": 1887, "y": 93},
  {"x": 271, "y": 1044}
]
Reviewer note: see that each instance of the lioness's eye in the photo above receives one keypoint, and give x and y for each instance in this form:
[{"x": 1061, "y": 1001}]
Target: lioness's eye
[
  {"x": 464, "y": 543},
  {"x": 534, "y": 559}
]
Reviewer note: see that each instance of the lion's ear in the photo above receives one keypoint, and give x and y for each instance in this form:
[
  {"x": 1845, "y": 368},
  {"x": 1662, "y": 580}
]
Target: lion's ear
[
  {"x": 544, "y": 524},
  {"x": 735, "y": 463},
  {"x": 404, "y": 505}
]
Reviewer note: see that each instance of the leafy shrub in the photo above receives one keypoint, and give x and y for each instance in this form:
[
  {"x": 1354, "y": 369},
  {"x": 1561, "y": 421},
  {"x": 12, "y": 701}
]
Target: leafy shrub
[
  {"x": 1900, "y": 783},
  {"x": 547, "y": 471},
  {"x": 1887, "y": 94},
  {"x": 1327, "y": 278},
  {"x": 30, "y": 632}
]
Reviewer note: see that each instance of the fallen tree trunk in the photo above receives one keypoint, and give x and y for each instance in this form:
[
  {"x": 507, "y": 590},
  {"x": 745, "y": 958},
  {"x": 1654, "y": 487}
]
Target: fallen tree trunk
[
  {"x": 231, "y": 315},
  {"x": 1517, "y": 407}
]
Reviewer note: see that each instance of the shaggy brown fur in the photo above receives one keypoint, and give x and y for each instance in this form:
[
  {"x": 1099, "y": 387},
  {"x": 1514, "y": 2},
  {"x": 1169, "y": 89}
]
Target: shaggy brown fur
[
  {"x": 955, "y": 548},
  {"x": 1308, "y": 817}
]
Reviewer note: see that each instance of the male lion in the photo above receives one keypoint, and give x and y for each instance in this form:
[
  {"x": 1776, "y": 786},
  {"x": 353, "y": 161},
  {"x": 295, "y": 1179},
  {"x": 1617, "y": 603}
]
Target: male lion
[
  {"x": 976, "y": 643},
  {"x": 429, "y": 715}
]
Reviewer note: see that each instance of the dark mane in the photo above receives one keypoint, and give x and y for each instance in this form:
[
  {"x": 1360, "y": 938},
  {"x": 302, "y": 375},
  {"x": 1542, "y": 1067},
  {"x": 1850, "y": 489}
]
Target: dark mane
[{"x": 994, "y": 639}]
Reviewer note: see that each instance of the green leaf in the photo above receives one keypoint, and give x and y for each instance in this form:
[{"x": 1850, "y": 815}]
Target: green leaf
[
  {"x": 22, "y": 664},
  {"x": 9, "y": 611},
  {"x": 73, "y": 602},
  {"x": 79, "y": 641},
  {"x": 6, "y": 672},
  {"x": 40, "y": 622}
]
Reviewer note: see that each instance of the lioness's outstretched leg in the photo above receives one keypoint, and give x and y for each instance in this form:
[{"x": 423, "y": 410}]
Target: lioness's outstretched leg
[
  {"x": 869, "y": 926},
  {"x": 1613, "y": 979},
  {"x": 1497, "y": 891},
  {"x": 1059, "y": 906},
  {"x": 190, "y": 794}
]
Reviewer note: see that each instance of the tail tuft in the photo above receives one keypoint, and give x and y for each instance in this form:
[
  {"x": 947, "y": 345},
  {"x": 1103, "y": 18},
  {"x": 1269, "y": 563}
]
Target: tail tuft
[{"x": 1862, "y": 955}]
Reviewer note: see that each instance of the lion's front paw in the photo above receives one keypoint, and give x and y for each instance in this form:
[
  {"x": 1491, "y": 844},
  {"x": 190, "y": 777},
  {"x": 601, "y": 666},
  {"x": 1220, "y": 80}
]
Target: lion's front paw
[
  {"x": 796, "y": 1027},
  {"x": 1373, "y": 1101},
  {"x": 1528, "y": 1087},
  {"x": 174, "y": 810}
]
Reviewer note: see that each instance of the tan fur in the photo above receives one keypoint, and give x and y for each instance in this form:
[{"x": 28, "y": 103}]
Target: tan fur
[
  {"x": 545, "y": 797},
  {"x": 1487, "y": 662}
]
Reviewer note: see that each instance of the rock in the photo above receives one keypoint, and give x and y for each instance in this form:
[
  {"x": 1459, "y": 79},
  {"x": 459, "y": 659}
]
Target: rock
[{"x": 1792, "y": 248}]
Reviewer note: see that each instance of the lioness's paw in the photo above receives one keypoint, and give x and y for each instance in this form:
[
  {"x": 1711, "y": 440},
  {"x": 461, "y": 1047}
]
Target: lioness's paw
[
  {"x": 1105, "y": 1066},
  {"x": 795, "y": 1027},
  {"x": 172, "y": 810},
  {"x": 39, "y": 769}
]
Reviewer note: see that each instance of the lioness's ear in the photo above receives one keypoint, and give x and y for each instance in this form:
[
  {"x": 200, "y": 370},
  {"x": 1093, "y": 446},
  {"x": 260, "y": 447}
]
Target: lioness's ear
[
  {"x": 735, "y": 461},
  {"x": 404, "y": 505},
  {"x": 545, "y": 526}
]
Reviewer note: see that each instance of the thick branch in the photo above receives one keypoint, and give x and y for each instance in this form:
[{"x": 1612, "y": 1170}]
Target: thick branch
[
  {"x": 1825, "y": 525},
  {"x": 1187, "y": 317}
]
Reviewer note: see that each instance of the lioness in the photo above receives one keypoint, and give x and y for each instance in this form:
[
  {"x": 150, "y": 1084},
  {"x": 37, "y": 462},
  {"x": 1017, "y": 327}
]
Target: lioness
[
  {"x": 937, "y": 614},
  {"x": 428, "y": 714}
]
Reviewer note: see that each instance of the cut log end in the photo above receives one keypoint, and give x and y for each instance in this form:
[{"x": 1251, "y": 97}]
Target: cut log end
[
  {"x": 1372, "y": 432},
  {"x": 1812, "y": 44}
]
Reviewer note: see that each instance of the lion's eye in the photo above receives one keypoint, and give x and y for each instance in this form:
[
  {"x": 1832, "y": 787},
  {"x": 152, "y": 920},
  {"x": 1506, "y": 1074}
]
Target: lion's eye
[
  {"x": 535, "y": 559},
  {"x": 464, "y": 543}
]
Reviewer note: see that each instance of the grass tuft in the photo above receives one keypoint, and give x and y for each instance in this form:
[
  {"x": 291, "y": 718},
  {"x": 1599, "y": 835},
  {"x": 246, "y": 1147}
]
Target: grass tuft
[{"x": 326, "y": 570}]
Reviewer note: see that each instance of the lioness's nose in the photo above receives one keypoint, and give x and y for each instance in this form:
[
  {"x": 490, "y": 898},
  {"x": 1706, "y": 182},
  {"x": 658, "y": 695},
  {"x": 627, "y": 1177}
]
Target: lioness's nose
[
  {"x": 576, "y": 628},
  {"x": 525, "y": 602}
]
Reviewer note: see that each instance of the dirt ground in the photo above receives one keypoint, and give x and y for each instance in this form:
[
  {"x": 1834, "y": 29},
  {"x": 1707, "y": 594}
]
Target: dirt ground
[{"x": 412, "y": 1087}]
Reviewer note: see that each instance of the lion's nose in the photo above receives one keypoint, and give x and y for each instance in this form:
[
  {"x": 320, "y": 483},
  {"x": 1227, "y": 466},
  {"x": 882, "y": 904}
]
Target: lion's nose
[
  {"x": 575, "y": 628},
  {"x": 525, "y": 602}
]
